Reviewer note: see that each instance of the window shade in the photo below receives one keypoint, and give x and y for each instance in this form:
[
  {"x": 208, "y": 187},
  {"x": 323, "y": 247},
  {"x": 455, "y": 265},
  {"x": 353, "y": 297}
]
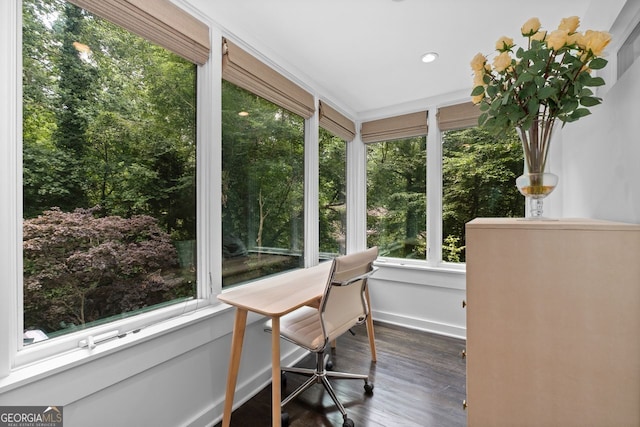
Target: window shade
[
  {"x": 458, "y": 116},
  {"x": 336, "y": 123},
  {"x": 158, "y": 21},
  {"x": 405, "y": 126},
  {"x": 244, "y": 70}
]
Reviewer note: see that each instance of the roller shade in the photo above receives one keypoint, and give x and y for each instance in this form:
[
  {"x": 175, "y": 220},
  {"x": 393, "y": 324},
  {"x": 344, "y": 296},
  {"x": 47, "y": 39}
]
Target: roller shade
[
  {"x": 458, "y": 116},
  {"x": 158, "y": 21},
  {"x": 244, "y": 70},
  {"x": 405, "y": 126},
  {"x": 336, "y": 123}
]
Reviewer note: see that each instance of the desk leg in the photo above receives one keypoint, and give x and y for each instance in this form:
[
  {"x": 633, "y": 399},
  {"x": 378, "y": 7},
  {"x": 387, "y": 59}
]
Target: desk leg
[
  {"x": 234, "y": 363},
  {"x": 276, "y": 414},
  {"x": 370, "y": 333}
]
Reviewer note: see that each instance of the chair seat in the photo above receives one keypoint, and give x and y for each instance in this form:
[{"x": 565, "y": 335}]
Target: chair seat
[{"x": 303, "y": 327}]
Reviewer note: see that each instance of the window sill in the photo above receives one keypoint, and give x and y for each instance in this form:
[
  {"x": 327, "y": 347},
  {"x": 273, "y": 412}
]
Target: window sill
[
  {"x": 445, "y": 275},
  {"x": 78, "y": 357}
]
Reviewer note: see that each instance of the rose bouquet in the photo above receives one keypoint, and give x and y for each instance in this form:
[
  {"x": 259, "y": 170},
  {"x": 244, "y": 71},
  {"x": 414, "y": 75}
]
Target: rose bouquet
[
  {"x": 551, "y": 77},
  {"x": 531, "y": 88}
]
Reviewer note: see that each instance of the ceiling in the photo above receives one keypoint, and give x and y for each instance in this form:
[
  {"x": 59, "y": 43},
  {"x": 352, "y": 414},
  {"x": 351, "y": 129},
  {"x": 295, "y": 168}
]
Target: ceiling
[{"x": 363, "y": 56}]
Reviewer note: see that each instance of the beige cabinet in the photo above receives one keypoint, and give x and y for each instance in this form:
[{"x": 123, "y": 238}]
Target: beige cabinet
[{"x": 553, "y": 323}]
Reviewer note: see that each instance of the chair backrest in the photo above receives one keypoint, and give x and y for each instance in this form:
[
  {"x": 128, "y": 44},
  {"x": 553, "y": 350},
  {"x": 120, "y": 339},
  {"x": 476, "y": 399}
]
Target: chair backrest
[{"x": 343, "y": 304}]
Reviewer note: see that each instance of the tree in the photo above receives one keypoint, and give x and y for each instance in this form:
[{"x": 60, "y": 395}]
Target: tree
[
  {"x": 79, "y": 268},
  {"x": 263, "y": 171},
  {"x": 109, "y": 128},
  {"x": 479, "y": 172},
  {"x": 332, "y": 196},
  {"x": 396, "y": 197}
]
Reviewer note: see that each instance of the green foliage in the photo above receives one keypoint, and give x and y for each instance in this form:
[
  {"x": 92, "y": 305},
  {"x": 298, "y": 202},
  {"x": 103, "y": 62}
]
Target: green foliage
[
  {"x": 332, "y": 193},
  {"x": 109, "y": 121},
  {"x": 479, "y": 172},
  {"x": 396, "y": 197},
  {"x": 263, "y": 172}
]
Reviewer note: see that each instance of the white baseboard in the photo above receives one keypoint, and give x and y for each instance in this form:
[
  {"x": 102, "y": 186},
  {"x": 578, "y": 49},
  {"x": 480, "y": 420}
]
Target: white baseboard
[{"x": 420, "y": 324}]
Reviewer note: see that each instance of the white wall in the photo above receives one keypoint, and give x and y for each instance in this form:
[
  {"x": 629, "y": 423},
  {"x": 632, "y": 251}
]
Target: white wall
[
  {"x": 601, "y": 152},
  {"x": 601, "y": 167}
]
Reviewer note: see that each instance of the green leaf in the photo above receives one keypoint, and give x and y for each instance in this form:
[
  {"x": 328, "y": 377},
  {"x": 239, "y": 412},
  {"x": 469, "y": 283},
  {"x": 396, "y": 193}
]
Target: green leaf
[
  {"x": 598, "y": 63},
  {"x": 524, "y": 78},
  {"x": 587, "y": 80},
  {"x": 547, "y": 92},
  {"x": 478, "y": 90},
  {"x": 590, "y": 101},
  {"x": 579, "y": 113}
]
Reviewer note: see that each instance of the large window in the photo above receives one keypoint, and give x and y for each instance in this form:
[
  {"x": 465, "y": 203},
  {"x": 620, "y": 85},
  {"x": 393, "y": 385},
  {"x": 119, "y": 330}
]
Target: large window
[
  {"x": 478, "y": 172},
  {"x": 396, "y": 197},
  {"x": 332, "y": 194},
  {"x": 109, "y": 172},
  {"x": 262, "y": 187}
]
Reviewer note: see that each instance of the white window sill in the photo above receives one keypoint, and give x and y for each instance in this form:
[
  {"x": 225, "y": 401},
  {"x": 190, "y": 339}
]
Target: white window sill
[
  {"x": 44, "y": 368},
  {"x": 444, "y": 275}
]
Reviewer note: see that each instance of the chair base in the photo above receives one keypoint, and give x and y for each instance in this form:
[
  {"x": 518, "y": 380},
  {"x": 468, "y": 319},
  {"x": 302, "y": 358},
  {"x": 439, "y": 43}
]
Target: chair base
[{"x": 321, "y": 375}]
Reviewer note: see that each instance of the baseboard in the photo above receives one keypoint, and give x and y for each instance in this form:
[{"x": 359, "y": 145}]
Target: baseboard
[{"x": 420, "y": 324}]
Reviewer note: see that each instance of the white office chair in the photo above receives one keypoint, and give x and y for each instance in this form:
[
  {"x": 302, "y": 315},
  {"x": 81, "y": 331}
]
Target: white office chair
[{"x": 343, "y": 305}]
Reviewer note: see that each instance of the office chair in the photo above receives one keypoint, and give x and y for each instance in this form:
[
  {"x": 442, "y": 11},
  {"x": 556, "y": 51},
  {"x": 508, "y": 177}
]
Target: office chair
[{"x": 342, "y": 306}]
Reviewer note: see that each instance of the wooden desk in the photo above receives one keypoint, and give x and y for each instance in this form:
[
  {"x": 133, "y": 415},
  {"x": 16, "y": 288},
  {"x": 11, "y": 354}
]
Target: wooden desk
[{"x": 274, "y": 297}]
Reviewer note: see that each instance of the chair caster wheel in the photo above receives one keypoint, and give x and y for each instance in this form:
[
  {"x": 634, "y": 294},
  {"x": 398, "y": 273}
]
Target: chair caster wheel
[
  {"x": 348, "y": 422},
  {"x": 368, "y": 388},
  {"x": 329, "y": 365},
  {"x": 284, "y": 419}
]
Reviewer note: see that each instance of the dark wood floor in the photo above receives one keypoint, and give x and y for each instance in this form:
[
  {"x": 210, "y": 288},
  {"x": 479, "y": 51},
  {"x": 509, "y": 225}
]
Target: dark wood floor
[{"x": 419, "y": 382}]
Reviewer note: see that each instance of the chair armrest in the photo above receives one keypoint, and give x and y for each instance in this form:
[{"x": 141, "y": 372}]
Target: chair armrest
[{"x": 355, "y": 279}]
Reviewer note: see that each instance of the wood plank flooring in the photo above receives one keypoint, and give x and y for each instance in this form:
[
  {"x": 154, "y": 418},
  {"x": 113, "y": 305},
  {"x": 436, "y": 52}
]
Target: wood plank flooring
[{"x": 419, "y": 381}]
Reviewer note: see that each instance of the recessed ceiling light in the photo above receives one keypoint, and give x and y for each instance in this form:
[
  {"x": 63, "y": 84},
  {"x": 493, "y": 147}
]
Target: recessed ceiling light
[{"x": 429, "y": 57}]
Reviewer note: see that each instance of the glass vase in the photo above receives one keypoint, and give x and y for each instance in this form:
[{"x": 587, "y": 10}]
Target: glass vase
[
  {"x": 536, "y": 184},
  {"x": 535, "y": 187}
]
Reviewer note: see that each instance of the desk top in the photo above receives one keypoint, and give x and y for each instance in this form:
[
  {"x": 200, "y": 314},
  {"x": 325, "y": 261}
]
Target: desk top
[{"x": 278, "y": 295}]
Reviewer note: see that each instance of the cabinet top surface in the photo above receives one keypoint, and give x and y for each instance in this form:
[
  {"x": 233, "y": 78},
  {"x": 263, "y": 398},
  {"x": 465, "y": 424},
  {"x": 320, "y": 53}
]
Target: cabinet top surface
[{"x": 552, "y": 224}]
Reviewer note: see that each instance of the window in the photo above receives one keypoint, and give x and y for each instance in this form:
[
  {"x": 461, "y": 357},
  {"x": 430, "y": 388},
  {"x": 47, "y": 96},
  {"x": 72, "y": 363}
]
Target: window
[
  {"x": 263, "y": 160},
  {"x": 262, "y": 187},
  {"x": 397, "y": 185},
  {"x": 478, "y": 173},
  {"x": 109, "y": 171},
  {"x": 332, "y": 194},
  {"x": 335, "y": 131},
  {"x": 396, "y": 197}
]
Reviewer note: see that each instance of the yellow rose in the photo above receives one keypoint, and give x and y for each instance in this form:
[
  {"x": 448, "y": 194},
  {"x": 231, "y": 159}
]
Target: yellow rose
[
  {"x": 539, "y": 36},
  {"x": 478, "y": 61},
  {"x": 569, "y": 24},
  {"x": 576, "y": 39},
  {"x": 504, "y": 43},
  {"x": 557, "y": 39},
  {"x": 530, "y": 27},
  {"x": 596, "y": 41},
  {"x": 478, "y": 79},
  {"x": 502, "y": 62},
  {"x": 477, "y": 99}
]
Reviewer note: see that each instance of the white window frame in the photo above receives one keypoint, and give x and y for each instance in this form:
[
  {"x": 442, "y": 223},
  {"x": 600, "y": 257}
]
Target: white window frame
[
  {"x": 12, "y": 353},
  {"x": 434, "y": 178}
]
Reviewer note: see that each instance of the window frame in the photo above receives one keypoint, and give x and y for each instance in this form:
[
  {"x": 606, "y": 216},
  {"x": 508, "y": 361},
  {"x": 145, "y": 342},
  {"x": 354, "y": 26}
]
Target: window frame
[{"x": 14, "y": 354}]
